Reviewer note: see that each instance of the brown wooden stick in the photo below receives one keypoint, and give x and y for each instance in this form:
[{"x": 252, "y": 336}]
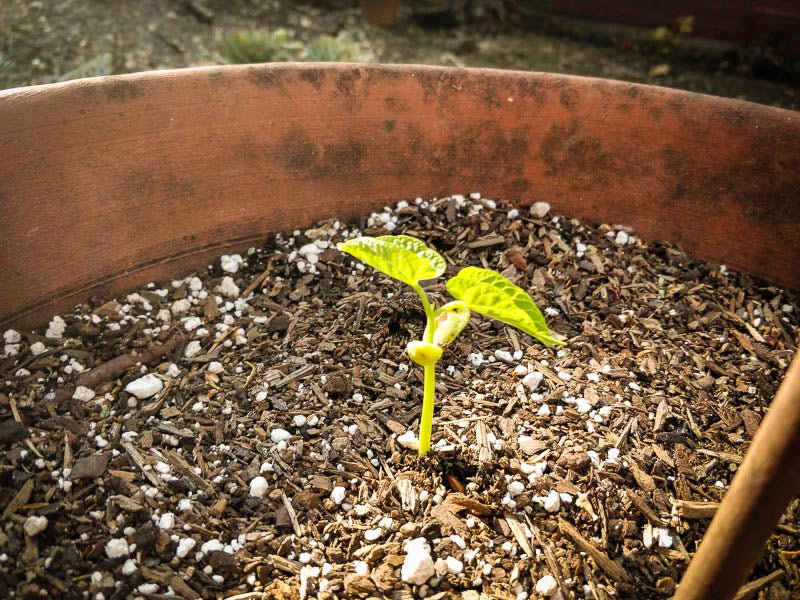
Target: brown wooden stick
[
  {"x": 692, "y": 509},
  {"x": 612, "y": 569},
  {"x": 764, "y": 485},
  {"x": 111, "y": 369},
  {"x": 751, "y": 589}
]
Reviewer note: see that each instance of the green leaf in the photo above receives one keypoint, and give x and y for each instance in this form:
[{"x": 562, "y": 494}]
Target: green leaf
[
  {"x": 491, "y": 294},
  {"x": 405, "y": 258},
  {"x": 450, "y": 320}
]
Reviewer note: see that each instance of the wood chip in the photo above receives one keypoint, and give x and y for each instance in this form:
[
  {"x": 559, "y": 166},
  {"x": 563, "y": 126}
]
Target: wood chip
[
  {"x": 138, "y": 460},
  {"x": 693, "y": 509},
  {"x": 185, "y": 469},
  {"x": 168, "y": 578},
  {"x": 298, "y": 531},
  {"x": 19, "y": 500},
  {"x": 726, "y": 456},
  {"x": 409, "y": 497},
  {"x": 518, "y": 529},
  {"x": 751, "y": 589},
  {"x": 284, "y": 564},
  {"x": 612, "y": 569},
  {"x": 645, "y": 481},
  {"x": 482, "y": 440},
  {"x": 644, "y": 508},
  {"x": 90, "y": 467},
  {"x": 662, "y": 412}
]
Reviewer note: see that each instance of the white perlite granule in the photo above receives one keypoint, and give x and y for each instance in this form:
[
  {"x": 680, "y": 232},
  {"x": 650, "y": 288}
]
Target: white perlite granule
[
  {"x": 338, "y": 494},
  {"x": 185, "y": 546},
  {"x": 228, "y": 288},
  {"x": 230, "y": 264},
  {"x": 192, "y": 349},
  {"x": 56, "y": 328},
  {"x": 418, "y": 565},
  {"x": 117, "y": 548},
  {"x": 552, "y": 503},
  {"x": 12, "y": 336},
  {"x": 546, "y": 586},
  {"x": 35, "y": 525},
  {"x": 83, "y": 393},
  {"x": 408, "y": 440},
  {"x": 279, "y": 435},
  {"x": 540, "y": 209},
  {"x": 258, "y": 487},
  {"x": 145, "y": 387},
  {"x": 167, "y": 521},
  {"x": 532, "y": 380}
]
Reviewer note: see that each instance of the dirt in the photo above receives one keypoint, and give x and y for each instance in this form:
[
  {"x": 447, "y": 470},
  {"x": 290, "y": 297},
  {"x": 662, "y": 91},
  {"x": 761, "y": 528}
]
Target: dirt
[
  {"x": 47, "y": 41},
  {"x": 590, "y": 470}
]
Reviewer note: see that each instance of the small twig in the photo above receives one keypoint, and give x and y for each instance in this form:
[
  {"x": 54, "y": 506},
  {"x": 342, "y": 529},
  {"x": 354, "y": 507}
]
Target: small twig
[
  {"x": 33, "y": 448},
  {"x": 117, "y": 366},
  {"x": 18, "y": 501},
  {"x": 644, "y": 508},
  {"x": 691, "y": 509},
  {"x": 611, "y": 568},
  {"x": 259, "y": 279},
  {"x": 519, "y": 533},
  {"x": 138, "y": 460},
  {"x": 220, "y": 339},
  {"x": 292, "y": 515},
  {"x": 466, "y": 420},
  {"x": 247, "y": 596},
  {"x": 14, "y": 411},
  {"x": 751, "y": 589},
  {"x": 549, "y": 557},
  {"x": 251, "y": 375},
  {"x": 624, "y": 434}
]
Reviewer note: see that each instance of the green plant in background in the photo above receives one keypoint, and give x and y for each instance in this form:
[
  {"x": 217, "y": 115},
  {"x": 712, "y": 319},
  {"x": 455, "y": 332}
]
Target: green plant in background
[
  {"x": 664, "y": 40},
  {"x": 246, "y": 47},
  {"x": 409, "y": 260},
  {"x": 326, "y": 48},
  {"x": 6, "y": 71}
]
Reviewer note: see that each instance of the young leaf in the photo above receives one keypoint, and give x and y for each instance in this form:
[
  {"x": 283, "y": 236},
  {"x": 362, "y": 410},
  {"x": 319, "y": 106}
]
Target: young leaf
[
  {"x": 450, "y": 321},
  {"x": 493, "y": 295},
  {"x": 405, "y": 258}
]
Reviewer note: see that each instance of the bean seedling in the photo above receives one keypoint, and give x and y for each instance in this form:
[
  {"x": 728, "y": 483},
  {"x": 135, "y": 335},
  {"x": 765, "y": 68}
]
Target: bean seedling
[{"x": 409, "y": 260}]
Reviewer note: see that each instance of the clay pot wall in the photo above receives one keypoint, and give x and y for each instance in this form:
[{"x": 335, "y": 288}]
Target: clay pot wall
[{"x": 113, "y": 182}]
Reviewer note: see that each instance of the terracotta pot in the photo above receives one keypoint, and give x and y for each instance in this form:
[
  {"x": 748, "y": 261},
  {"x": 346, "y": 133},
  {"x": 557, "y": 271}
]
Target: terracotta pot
[
  {"x": 109, "y": 183},
  {"x": 382, "y": 13},
  {"x": 112, "y": 182}
]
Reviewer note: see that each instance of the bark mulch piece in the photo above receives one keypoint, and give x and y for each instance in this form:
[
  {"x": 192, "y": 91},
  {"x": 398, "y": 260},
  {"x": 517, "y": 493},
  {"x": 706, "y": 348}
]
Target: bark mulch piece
[{"x": 235, "y": 431}]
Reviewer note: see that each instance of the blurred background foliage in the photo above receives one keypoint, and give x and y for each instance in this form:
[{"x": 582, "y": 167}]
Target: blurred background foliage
[{"x": 43, "y": 41}]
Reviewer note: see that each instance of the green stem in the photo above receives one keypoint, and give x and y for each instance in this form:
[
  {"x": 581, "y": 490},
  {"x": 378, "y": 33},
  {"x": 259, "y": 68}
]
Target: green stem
[
  {"x": 426, "y": 423},
  {"x": 430, "y": 325}
]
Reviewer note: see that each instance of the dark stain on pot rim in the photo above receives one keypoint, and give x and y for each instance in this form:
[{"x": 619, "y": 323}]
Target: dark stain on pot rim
[
  {"x": 218, "y": 78},
  {"x": 440, "y": 83},
  {"x": 751, "y": 182},
  {"x": 569, "y": 153},
  {"x": 346, "y": 87},
  {"x": 268, "y": 77},
  {"x": 483, "y": 151},
  {"x": 569, "y": 97},
  {"x": 302, "y": 157},
  {"x": 313, "y": 75},
  {"x": 532, "y": 88},
  {"x": 394, "y": 104},
  {"x": 120, "y": 90}
]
